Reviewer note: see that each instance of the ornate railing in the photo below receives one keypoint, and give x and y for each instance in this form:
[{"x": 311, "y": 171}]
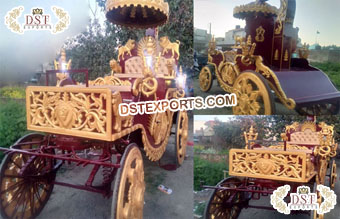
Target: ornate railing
[{"x": 291, "y": 166}]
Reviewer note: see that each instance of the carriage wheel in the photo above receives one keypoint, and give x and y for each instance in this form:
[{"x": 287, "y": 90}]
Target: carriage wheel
[
  {"x": 181, "y": 136},
  {"x": 129, "y": 186},
  {"x": 333, "y": 175},
  {"x": 254, "y": 96},
  {"x": 218, "y": 206},
  {"x": 314, "y": 214},
  {"x": 206, "y": 79},
  {"x": 320, "y": 109},
  {"x": 24, "y": 195}
]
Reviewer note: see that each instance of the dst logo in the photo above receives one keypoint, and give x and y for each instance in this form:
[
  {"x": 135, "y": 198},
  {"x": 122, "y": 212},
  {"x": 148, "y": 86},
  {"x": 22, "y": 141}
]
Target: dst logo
[
  {"x": 304, "y": 200},
  {"x": 37, "y": 20}
]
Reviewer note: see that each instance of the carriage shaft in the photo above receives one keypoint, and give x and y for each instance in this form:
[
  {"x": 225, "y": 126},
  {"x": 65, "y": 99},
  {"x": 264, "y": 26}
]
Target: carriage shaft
[{"x": 61, "y": 157}]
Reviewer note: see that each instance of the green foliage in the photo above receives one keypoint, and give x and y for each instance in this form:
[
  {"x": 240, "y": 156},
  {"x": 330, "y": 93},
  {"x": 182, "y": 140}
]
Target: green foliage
[
  {"x": 13, "y": 92},
  {"x": 210, "y": 173},
  {"x": 93, "y": 49},
  {"x": 331, "y": 69},
  {"x": 198, "y": 148},
  {"x": 12, "y": 122}
]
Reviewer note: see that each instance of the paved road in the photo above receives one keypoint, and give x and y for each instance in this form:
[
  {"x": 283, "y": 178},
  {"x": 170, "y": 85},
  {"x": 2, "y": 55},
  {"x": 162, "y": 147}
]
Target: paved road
[
  {"x": 268, "y": 214},
  {"x": 76, "y": 204}
]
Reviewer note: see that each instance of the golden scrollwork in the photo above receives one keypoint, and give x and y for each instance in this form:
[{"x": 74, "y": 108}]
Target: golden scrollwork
[
  {"x": 174, "y": 93},
  {"x": 155, "y": 151},
  {"x": 251, "y": 91},
  {"x": 11, "y": 20},
  {"x": 158, "y": 124},
  {"x": 72, "y": 111},
  {"x": 146, "y": 86},
  {"x": 248, "y": 58},
  {"x": 167, "y": 46},
  {"x": 260, "y": 34},
  {"x": 205, "y": 78},
  {"x": 130, "y": 45},
  {"x": 226, "y": 75},
  {"x": 63, "y": 20},
  {"x": 109, "y": 80},
  {"x": 281, "y": 16},
  {"x": 268, "y": 164}
]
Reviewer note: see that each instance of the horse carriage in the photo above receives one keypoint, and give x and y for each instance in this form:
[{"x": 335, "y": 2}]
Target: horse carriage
[
  {"x": 264, "y": 65},
  {"x": 82, "y": 116},
  {"x": 305, "y": 156}
]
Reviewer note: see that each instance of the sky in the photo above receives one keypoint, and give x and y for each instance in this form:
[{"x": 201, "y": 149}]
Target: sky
[
  {"x": 199, "y": 120},
  {"x": 311, "y": 16},
  {"x": 22, "y": 55}
]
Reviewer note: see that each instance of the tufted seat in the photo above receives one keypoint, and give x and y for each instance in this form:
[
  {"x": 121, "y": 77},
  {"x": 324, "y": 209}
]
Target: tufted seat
[
  {"x": 307, "y": 137},
  {"x": 134, "y": 65}
]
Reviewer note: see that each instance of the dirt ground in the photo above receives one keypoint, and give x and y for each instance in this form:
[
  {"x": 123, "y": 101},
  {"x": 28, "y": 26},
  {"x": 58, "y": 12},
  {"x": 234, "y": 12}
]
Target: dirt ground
[
  {"x": 203, "y": 196},
  {"x": 76, "y": 204},
  {"x": 216, "y": 89}
]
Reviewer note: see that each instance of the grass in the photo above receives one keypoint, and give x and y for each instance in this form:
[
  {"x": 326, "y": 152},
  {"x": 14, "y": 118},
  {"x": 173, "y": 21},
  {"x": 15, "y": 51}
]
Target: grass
[
  {"x": 13, "y": 92},
  {"x": 331, "y": 69},
  {"x": 206, "y": 172}
]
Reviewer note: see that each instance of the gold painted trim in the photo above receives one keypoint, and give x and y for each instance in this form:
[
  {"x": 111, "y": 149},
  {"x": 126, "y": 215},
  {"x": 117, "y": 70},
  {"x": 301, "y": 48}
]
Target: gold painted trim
[
  {"x": 267, "y": 164},
  {"x": 156, "y": 4},
  {"x": 69, "y": 103}
]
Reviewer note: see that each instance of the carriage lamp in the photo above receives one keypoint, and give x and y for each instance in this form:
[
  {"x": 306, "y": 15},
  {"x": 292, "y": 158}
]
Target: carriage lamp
[{"x": 181, "y": 79}]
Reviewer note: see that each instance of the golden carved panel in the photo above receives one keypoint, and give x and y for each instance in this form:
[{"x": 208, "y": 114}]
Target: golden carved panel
[
  {"x": 270, "y": 164},
  {"x": 81, "y": 112}
]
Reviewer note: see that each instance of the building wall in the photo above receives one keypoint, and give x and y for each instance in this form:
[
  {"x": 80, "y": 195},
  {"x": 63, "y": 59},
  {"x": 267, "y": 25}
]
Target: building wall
[{"x": 324, "y": 56}]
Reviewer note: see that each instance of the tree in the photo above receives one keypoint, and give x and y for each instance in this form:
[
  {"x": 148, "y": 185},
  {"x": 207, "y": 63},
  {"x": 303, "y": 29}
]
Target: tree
[{"x": 95, "y": 47}]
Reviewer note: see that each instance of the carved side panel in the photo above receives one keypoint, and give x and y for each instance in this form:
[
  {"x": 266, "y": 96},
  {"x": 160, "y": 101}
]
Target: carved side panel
[
  {"x": 78, "y": 112},
  {"x": 269, "y": 164}
]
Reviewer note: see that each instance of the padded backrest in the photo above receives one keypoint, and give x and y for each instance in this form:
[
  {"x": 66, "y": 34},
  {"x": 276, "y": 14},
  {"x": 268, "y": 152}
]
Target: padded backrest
[
  {"x": 307, "y": 137},
  {"x": 134, "y": 65}
]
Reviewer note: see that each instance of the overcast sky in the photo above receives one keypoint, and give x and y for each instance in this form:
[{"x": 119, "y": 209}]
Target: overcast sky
[
  {"x": 311, "y": 16},
  {"x": 22, "y": 55},
  {"x": 199, "y": 120}
]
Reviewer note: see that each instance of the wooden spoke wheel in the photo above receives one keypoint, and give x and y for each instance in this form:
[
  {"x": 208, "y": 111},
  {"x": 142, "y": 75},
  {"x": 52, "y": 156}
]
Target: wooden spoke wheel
[
  {"x": 220, "y": 206},
  {"x": 254, "y": 96},
  {"x": 314, "y": 214},
  {"x": 206, "y": 78},
  {"x": 26, "y": 181},
  {"x": 320, "y": 109},
  {"x": 181, "y": 136},
  {"x": 333, "y": 175},
  {"x": 129, "y": 186}
]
